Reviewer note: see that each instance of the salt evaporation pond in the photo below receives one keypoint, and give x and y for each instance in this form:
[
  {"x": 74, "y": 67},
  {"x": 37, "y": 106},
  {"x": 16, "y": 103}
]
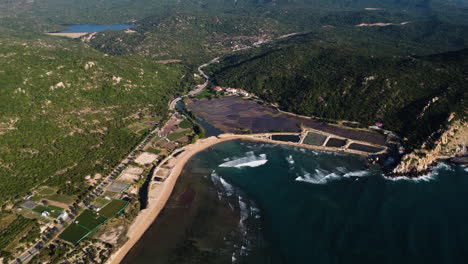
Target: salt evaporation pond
[{"x": 244, "y": 202}]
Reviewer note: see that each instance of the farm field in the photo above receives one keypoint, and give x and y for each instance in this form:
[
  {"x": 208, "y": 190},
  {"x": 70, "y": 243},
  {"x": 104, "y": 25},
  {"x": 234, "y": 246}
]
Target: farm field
[
  {"x": 74, "y": 233},
  {"x": 53, "y": 211},
  {"x": 90, "y": 220},
  {"x": 113, "y": 208}
]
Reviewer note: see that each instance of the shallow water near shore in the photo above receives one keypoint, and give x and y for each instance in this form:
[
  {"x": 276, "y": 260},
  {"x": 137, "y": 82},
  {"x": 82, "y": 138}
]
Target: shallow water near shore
[{"x": 245, "y": 202}]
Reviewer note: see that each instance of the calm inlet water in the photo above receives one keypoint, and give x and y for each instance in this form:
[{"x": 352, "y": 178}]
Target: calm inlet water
[
  {"x": 243, "y": 202},
  {"x": 89, "y": 28}
]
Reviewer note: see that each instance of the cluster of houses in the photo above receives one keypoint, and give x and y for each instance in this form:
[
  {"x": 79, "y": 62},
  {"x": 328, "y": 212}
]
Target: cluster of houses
[{"x": 229, "y": 90}]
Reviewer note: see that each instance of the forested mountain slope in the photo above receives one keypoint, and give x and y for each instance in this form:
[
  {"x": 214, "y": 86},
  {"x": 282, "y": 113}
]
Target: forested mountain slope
[
  {"x": 193, "y": 35},
  {"x": 330, "y": 80},
  {"x": 188, "y": 36},
  {"x": 66, "y": 107}
]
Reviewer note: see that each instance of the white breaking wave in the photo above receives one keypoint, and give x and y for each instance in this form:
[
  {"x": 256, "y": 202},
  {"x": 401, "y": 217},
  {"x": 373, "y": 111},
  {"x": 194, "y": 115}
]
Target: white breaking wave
[
  {"x": 424, "y": 178},
  {"x": 360, "y": 173},
  {"x": 443, "y": 166},
  {"x": 244, "y": 214},
  {"x": 250, "y": 161},
  {"x": 227, "y": 187},
  {"x": 319, "y": 177},
  {"x": 466, "y": 169},
  {"x": 221, "y": 184},
  {"x": 290, "y": 160}
]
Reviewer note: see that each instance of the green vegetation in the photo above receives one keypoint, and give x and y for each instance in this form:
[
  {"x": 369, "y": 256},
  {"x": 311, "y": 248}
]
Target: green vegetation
[
  {"x": 53, "y": 211},
  {"x": 20, "y": 226},
  {"x": 61, "y": 198},
  {"x": 66, "y": 109},
  {"x": 189, "y": 36},
  {"x": 90, "y": 220},
  {"x": 185, "y": 124},
  {"x": 74, "y": 233},
  {"x": 179, "y": 134},
  {"x": 153, "y": 150},
  {"x": 113, "y": 208},
  {"x": 101, "y": 201},
  {"x": 342, "y": 81}
]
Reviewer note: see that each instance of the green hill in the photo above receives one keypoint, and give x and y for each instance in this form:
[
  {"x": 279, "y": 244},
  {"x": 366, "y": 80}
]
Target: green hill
[
  {"x": 333, "y": 80},
  {"x": 66, "y": 107}
]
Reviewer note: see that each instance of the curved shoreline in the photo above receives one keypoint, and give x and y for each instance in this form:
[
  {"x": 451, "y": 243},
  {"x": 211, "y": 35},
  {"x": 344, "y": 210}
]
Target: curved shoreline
[{"x": 159, "y": 193}]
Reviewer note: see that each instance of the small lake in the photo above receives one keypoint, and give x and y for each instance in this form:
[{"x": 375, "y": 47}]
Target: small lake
[{"x": 89, "y": 28}]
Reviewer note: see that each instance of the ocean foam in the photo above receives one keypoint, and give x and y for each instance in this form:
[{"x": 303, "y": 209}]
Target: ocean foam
[
  {"x": 221, "y": 184},
  {"x": 424, "y": 178},
  {"x": 319, "y": 177},
  {"x": 359, "y": 173},
  {"x": 244, "y": 214},
  {"x": 290, "y": 160},
  {"x": 443, "y": 166},
  {"x": 249, "y": 161},
  {"x": 227, "y": 187}
]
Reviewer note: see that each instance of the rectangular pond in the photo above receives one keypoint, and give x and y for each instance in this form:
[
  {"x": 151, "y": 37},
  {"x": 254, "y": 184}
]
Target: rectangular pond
[
  {"x": 287, "y": 138},
  {"x": 314, "y": 139},
  {"x": 365, "y": 148},
  {"x": 336, "y": 142}
]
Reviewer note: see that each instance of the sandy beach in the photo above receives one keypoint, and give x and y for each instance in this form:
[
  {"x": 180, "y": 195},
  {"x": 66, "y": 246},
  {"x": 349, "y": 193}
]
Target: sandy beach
[{"x": 160, "y": 193}]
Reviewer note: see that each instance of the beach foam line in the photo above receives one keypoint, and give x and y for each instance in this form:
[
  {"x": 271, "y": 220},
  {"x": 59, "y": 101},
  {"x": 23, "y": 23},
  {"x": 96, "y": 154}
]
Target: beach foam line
[
  {"x": 359, "y": 173},
  {"x": 250, "y": 161}
]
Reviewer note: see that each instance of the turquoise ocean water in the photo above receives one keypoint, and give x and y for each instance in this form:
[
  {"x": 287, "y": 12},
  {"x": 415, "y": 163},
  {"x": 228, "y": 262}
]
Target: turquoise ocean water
[{"x": 293, "y": 205}]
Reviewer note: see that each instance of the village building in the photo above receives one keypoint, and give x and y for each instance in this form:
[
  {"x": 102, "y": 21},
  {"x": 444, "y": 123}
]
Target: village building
[
  {"x": 231, "y": 90},
  {"x": 243, "y": 93}
]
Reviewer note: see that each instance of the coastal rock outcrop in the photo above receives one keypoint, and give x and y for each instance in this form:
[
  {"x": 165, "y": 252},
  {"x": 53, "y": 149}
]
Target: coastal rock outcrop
[{"x": 452, "y": 143}]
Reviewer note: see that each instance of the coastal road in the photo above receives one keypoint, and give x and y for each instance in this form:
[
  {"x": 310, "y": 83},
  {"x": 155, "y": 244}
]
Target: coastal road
[{"x": 199, "y": 89}]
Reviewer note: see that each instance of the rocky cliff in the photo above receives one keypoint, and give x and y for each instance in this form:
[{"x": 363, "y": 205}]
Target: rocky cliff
[{"x": 452, "y": 143}]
